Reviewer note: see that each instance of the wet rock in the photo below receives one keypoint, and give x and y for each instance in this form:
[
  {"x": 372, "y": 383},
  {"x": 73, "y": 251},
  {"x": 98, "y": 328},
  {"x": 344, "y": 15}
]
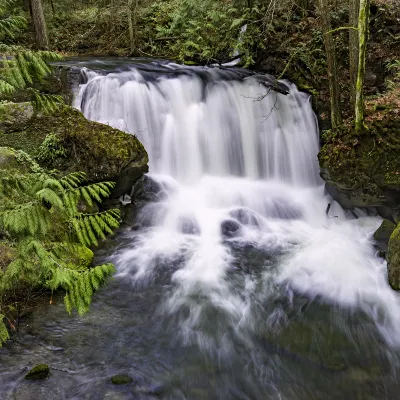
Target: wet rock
[
  {"x": 121, "y": 379},
  {"x": 393, "y": 259},
  {"x": 146, "y": 190},
  {"x": 40, "y": 371},
  {"x": 245, "y": 217},
  {"x": 188, "y": 226},
  {"x": 382, "y": 235},
  {"x": 230, "y": 228}
]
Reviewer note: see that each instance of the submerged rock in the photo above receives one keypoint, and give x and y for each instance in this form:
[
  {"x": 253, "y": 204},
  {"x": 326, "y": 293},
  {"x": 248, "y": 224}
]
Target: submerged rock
[
  {"x": 188, "y": 226},
  {"x": 229, "y": 228},
  {"x": 393, "y": 259},
  {"x": 102, "y": 152},
  {"x": 121, "y": 379},
  {"x": 40, "y": 371},
  {"x": 245, "y": 217}
]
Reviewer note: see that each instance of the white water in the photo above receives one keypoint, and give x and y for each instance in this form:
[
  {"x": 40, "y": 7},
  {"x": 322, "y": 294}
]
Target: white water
[{"x": 215, "y": 150}]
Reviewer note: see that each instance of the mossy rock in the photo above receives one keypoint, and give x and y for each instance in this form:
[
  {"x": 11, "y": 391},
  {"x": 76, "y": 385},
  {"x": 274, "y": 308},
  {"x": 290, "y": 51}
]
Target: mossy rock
[
  {"x": 82, "y": 257},
  {"x": 12, "y": 160},
  {"x": 40, "y": 371},
  {"x": 382, "y": 235},
  {"x": 393, "y": 259},
  {"x": 102, "y": 152},
  {"x": 14, "y": 116},
  {"x": 364, "y": 170},
  {"x": 121, "y": 379}
]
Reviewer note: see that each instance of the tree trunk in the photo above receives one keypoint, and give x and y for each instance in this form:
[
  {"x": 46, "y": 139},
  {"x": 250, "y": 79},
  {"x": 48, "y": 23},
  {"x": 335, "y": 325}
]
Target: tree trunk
[
  {"x": 132, "y": 23},
  {"x": 39, "y": 24},
  {"x": 363, "y": 23},
  {"x": 336, "y": 118},
  {"x": 354, "y": 10}
]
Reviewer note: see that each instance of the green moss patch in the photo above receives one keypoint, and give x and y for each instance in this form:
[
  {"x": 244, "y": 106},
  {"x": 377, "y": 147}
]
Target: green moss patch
[
  {"x": 40, "y": 371},
  {"x": 102, "y": 152},
  {"x": 121, "y": 379}
]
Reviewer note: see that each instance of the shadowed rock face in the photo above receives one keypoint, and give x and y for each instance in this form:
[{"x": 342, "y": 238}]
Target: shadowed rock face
[
  {"x": 102, "y": 152},
  {"x": 364, "y": 170}
]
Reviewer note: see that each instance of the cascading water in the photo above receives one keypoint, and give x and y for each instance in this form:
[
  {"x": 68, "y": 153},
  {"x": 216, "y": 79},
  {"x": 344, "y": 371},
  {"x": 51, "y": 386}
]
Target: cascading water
[
  {"x": 235, "y": 283},
  {"x": 238, "y": 166}
]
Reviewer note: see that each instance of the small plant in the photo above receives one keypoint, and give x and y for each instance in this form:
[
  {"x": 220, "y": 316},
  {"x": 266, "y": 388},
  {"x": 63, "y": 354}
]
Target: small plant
[
  {"x": 393, "y": 67},
  {"x": 51, "y": 149}
]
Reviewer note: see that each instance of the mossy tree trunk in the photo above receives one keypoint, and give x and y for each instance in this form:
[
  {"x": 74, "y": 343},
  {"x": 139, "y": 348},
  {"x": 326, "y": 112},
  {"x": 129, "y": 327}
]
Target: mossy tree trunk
[
  {"x": 132, "y": 23},
  {"x": 363, "y": 23},
  {"x": 323, "y": 9},
  {"x": 354, "y": 10},
  {"x": 39, "y": 24}
]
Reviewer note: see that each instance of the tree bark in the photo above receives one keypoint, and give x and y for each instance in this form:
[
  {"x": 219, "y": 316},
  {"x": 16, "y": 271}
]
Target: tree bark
[
  {"x": 132, "y": 23},
  {"x": 39, "y": 24},
  {"x": 363, "y": 23},
  {"x": 323, "y": 9},
  {"x": 354, "y": 10}
]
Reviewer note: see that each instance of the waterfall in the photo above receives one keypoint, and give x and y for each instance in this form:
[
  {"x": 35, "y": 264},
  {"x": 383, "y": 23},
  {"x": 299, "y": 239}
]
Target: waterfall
[{"x": 237, "y": 166}]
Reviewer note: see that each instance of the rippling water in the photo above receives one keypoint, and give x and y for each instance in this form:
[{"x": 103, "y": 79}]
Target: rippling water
[{"x": 237, "y": 284}]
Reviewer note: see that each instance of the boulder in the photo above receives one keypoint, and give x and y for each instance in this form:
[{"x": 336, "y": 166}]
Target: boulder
[
  {"x": 12, "y": 160},
  {"x": 393, "y": 259},
  {"x": 40, "y": 371},
  {"x": 382, "y": 235},
  {"x": 229, "y": 228},
  {"x": 102, "y": 152}
]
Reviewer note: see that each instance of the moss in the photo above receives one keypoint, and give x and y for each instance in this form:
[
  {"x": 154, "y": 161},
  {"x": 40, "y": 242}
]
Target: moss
[
  {"x": 83, "y": 257},
  {"x": 7, "y": 254},
  {"x": 121, "y": 379},
  {"x": 97, "y": 149},
  {"x": 384, "y": 232},
  {"x": 12, "y": 160},
  {"x": 40, "y": 371},
  {"x": 393, "y": 259},
  {"x": 367, "y": 163}
]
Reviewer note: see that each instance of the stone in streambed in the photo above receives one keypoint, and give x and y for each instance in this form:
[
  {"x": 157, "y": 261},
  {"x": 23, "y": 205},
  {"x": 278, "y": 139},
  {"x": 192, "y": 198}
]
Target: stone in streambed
[
  {"x": 121, "y": 379},
  {"x": 230, "y": 228},
  {"x": 40, "y": 371}
]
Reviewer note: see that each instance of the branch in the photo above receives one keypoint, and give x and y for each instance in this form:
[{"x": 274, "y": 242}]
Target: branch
[{"x": 342, "y": 28}]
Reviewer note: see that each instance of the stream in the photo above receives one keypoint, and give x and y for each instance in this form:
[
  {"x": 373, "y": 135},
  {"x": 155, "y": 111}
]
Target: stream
[{"x": 237, "y": 281}]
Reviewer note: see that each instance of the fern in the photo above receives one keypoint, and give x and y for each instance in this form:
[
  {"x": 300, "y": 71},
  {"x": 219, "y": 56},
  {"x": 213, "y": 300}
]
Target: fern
[
  {"x": 19, "y": 66},
  {"x": 39, "y": 213}
]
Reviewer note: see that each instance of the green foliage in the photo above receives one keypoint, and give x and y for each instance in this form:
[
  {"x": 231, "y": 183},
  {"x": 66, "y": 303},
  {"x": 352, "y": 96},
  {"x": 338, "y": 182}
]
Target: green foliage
[
  {"x": 205, "y": 31},
  {"x": 39, "y": 215},
  {"x": 20, "y": 67},
  {"x": 51, "y": 149},
  {"x": 393, "y": 67}
]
